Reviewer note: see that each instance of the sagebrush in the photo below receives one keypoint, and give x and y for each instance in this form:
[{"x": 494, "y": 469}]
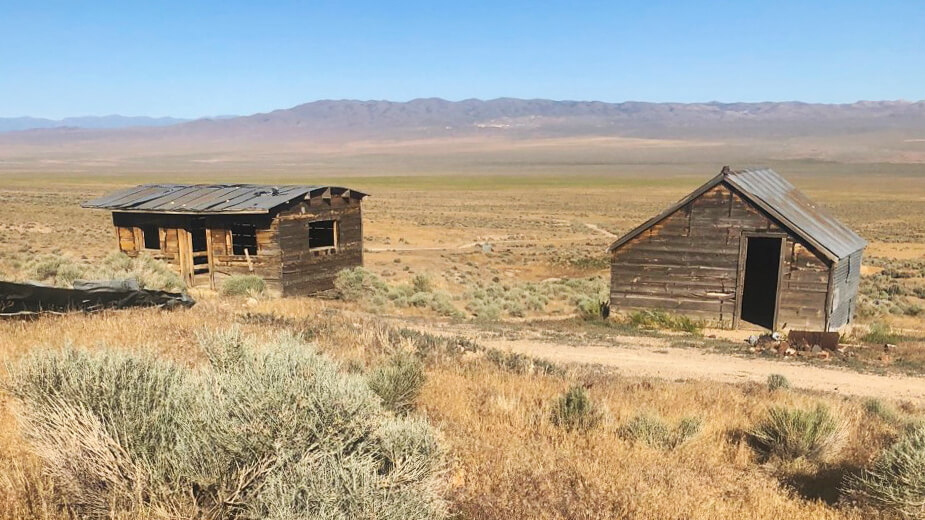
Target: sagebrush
[
  {"x": 794, "y": 433},
  {"x": 574, "y": 410},
  {"x": 264, "y": 431},
  {"x": 896, "y": 481},
  {"x": 243, "y": 285}
]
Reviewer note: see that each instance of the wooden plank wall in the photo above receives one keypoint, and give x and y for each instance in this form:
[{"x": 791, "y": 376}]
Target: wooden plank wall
[
  {"x": 688, "y": 264},
  {"x": 265, "y": 264},
  {"x": 306, "y": 271}
]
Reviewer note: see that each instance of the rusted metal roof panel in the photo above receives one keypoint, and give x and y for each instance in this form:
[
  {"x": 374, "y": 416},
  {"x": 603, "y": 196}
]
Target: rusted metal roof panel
[
  {"x": 796, "y": 210},
  {"x": 775, "y": 195},
  {"x": 205, "y": 198}
]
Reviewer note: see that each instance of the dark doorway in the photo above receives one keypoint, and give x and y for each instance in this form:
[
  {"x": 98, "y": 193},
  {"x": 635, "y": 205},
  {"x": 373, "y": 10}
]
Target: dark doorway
[
  {"x": 200, "y": 247},
  {"x": 759, "y": 292}
]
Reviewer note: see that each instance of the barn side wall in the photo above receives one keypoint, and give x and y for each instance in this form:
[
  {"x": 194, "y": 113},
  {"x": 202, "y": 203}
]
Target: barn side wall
[
  {"x": 688, "y": 264},
  {"x": 308, "y": 271},
  {"x": 846, "y": 278}
]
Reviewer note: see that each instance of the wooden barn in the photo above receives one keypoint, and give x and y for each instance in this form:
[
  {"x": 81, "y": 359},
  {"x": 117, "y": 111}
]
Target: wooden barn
[
  {"x": 747, "y": 247},
  {"x": 294, "y": 237}
]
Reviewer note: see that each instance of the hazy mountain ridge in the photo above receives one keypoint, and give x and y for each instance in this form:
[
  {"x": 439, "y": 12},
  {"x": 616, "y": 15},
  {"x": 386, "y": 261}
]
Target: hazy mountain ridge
[
  {"x": 427, "y": 135},
  {"x": 429, "y": 115},
  {"x": 532, "y": 115},
  {"x": 12, "y": 124}
]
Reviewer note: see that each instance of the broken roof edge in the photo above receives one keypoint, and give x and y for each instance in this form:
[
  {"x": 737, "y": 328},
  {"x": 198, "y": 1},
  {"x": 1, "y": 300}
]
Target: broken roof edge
[
  {"x": 252, "y": 199},
  {"x": 726, "y": 176}
]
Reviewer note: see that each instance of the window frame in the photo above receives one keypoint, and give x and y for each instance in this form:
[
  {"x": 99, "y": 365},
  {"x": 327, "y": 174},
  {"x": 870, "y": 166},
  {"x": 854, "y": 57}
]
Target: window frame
[
  {"x": 335, "y": 230},
  {"x": 231, "y": 234}
]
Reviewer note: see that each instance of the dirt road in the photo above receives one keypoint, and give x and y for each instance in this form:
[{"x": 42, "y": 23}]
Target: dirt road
[{"x": 635, "y": 356}]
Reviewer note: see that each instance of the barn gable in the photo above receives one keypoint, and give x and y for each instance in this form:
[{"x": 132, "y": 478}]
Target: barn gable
[
  {"x": 782, "y": 201},
  {"x": 691, "y": 258}
]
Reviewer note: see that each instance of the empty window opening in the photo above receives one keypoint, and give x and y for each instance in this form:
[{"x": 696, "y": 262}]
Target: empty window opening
[
  {"x": 762, "y": 269},
  {"x": 322, "y": 234},
  {"x": 152, "y": 237},
  {"x": 244, "y": 238}
]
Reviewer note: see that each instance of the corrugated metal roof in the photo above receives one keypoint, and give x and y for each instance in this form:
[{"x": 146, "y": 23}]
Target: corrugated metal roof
[
  {"x": 775, "y": 195},
  {"x": 205, "y": 198},
  {"x": 796, "y": 210}
]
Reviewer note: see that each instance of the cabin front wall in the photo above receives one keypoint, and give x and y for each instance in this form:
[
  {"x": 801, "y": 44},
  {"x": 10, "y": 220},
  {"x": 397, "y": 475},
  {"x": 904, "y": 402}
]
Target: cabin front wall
[
  {"x": 310, "y": 270},
  {"x": 689, "y": 264},
  {"x": 221, "y": 260}
]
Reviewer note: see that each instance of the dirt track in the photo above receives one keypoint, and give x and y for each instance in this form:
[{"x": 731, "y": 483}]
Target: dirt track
[{"x": 654, "y": 358}]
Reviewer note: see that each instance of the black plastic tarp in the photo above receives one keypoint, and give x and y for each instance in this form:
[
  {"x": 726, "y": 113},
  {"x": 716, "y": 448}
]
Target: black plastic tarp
[{"x": 24, "y": 298}]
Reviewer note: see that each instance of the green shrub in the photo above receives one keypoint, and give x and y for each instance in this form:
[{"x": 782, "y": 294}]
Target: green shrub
[
  {"x": 655, "y": 432},
  {"x": 590, "y": 308},
  {"x": 145, "y": 270},
  {"x": 107, "y": 425},
  {"x": 877, "y": 408},
  {"x": 398, "y": 382},
  {"x": 657, "y": 319},
  {"x": 57, "y": 270},
  {"x": 574, "y": 410},
  {"x": 421, "y": 283},
  {"x": 777, "y": 382},
  {"x": 881, "y": 333},
  {"x": 896, "y": 481},
  {"x": 521, "y": 363},
  {"x": 357, "y": 283},
  {"x": 243, "y": 285},
  {"x": 791, "y": 433},
  {"x": 265, "y": 431}
]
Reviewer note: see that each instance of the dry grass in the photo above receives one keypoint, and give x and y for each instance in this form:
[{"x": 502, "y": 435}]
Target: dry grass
[{"x": 508, "y": 459}]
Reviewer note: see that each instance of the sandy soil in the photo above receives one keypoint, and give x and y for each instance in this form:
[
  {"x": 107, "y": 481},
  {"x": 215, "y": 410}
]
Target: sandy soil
[{"x": 656, "y": 359}]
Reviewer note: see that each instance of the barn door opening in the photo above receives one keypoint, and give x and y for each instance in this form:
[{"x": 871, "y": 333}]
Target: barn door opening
[{"x": 762, "y": 272}]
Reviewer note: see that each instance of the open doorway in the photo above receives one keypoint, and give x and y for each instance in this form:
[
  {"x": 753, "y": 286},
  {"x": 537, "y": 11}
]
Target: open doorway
[{"x": 762, "y": 271}]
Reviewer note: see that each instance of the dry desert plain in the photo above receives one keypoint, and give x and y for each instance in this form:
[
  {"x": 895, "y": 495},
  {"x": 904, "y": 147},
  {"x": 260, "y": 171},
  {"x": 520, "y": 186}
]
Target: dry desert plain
[{"x": 548, "y": 228}]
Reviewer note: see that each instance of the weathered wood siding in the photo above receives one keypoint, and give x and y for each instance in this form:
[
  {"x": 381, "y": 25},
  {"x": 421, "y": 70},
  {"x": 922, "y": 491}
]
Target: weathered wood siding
[
  {"x": 688, "y": 264},
  {"x": 283, "y": 257},
  {"x": 803, "y": 290},
  {"x": 308, "y": 271},
  {"x": 846, "y": 277},
  {"x": 265, "y": 263}
]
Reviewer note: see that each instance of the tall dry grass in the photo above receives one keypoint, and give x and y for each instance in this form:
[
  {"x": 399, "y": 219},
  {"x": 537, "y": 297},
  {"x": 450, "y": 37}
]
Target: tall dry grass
[{"x": 507, "y": 458}]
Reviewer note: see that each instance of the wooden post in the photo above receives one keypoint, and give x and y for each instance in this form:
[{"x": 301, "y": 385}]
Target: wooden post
[
  {"x": 185, "y": 245},
  {"x": 780, "y": 281},
  {"x": 119, "y": 238},
  {"x": 740, "y": 279},
  {"x": 209, "y": 253},
  {"x": 250, "y": 264}
]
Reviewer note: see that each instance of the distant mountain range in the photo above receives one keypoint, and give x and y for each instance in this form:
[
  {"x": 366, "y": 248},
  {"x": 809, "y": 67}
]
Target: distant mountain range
[
  {"x": 434, "y": 116},
  {"x": 11, "y": 124},
  {"x": 497, "y": 133}
]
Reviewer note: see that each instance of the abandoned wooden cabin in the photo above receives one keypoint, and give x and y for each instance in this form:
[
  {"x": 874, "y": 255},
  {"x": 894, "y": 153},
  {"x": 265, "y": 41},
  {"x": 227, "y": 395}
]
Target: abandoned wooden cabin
[
  {"x": 296, "y": 238},
  {"x": 747, "y": 246}
]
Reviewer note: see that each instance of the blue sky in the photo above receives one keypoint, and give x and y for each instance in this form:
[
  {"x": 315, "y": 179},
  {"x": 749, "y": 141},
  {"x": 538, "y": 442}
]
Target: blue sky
[{"x": 196, "y": 58}]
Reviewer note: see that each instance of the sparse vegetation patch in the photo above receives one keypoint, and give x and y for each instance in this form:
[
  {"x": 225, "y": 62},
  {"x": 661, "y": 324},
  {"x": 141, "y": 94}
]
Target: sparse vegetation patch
[
  {"x": 654, "y": 431},
  {"x": 574, "y": 410},
  {"x": 243, "y": 285},
  {"x": 794, "y": 433}
]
